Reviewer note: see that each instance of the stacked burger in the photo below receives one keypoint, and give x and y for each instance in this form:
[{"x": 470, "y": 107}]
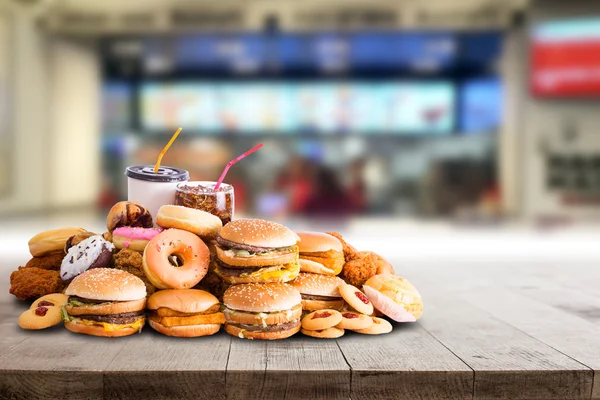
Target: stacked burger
[
  {"x": 256, "y": 258},
  {"x": 329, "y": 304}
]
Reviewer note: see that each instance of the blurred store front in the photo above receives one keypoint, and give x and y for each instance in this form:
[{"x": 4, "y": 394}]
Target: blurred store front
[{"x": 423, "y": 109}]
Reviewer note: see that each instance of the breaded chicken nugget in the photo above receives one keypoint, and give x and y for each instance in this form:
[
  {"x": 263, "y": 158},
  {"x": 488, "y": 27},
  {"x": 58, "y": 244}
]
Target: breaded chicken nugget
[{"x": 29, "y": 283}]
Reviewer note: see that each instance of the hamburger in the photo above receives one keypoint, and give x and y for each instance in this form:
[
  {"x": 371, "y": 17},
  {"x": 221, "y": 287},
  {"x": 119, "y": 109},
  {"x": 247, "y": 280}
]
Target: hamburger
[
  {"x": 185, "y": 313},
  {"x": 254, "y": 250},
  {"x": 319, "y": 292},
  {"x": 320, "y": 253},
  {"x": 265, "y": 311},
  {"x": 105, "y": 302}
]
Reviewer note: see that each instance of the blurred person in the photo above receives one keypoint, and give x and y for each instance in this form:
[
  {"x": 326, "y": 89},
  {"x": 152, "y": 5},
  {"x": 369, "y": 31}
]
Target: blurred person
[
  {"x": 329, "y": 197},
  {"x": 297, "y": 183}
]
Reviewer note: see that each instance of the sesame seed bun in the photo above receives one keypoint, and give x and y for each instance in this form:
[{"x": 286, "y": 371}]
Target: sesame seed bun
[
  {"x": 260, "y": 335},
  {"x": 182, "y": 300},
  {"x": 107, "y": 284},
  {"x": 96, "y": 330},
  {"x": 258, "y": 232},
  {"x": 319, "y": 285},
  {"x": 187, "y": 330},
  {"x": 237, "y": 317},
  {"x": 311, "y": 242},
  {"x": 261, "y": 297}
]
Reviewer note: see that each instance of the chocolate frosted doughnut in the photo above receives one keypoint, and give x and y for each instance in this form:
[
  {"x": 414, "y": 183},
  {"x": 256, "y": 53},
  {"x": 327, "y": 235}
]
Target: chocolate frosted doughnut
[{"x": 93, "y": 252}]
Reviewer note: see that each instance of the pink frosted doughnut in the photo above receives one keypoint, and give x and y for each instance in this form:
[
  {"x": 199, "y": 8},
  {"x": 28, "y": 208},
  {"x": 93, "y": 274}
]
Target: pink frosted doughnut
[{"x": 133, "y": 238}]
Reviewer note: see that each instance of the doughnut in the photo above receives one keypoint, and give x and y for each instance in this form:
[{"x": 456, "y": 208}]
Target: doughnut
[
  {"x": 128, "y": 213},
  {"x": 203, "y": 224},
  {"x": 329, "y": 333},
  {"x": 175, "y": 247},
  {"x": 51, "y": 241},
  {"x": 40, "y": 318},
  {"x": 354, "y": 320},
  {"x": 76, "y": 239},
  {"x": 133, "y": 238},
  {"x": 321, "y": 319},
  {"x": 356, "y": 299},
  {"x": 93, "y": 252},
  {"x": 379, "y": 327}
]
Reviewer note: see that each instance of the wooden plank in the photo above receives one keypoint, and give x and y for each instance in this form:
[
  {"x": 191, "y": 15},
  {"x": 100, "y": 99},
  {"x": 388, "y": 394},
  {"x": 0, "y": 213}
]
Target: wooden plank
[
  {"x": 56, "y": 364},
  {"x": 155, "y": 366},
  {"x": 407, "y": 363},
  {"x": 508, "y": 363},
  {"x": 296, "y": 368},
  {"x": 570, "y": 334}
]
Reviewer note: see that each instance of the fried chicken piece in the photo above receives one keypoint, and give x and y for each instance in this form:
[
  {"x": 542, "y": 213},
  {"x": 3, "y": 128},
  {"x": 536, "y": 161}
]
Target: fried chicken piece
[
  {"x": 51, "y": 261},
  {"x": 29, "y": 283},
  {"x": 383, "y": 266},
  {"x": 356, "y": 272},
  {"x": 350, "y": 252},
  {"x": 132, "y": 262},
  {"x": 212, "y": 282}
]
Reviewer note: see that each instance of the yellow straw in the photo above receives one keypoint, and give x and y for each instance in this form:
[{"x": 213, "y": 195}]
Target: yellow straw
[{"x": 162, "y": 153}]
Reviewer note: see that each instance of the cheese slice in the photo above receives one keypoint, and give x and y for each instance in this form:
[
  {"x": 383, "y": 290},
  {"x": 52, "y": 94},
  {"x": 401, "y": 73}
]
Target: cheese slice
[{"x": 137, "y": 325}]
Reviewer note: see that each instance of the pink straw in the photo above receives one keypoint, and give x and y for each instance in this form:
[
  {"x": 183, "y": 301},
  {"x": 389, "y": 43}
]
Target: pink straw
[{"x": 230, "y": 163}]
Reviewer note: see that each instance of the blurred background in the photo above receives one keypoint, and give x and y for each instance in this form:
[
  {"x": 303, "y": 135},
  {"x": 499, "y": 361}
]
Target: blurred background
[{"x": 476, "y": 111}]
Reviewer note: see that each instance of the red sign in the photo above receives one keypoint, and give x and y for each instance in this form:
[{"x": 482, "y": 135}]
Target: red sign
[{"x": 565, "y": 59}]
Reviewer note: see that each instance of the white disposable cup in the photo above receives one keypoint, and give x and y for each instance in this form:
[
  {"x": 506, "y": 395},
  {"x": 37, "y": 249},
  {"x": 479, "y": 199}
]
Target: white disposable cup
[{"x": 153, "y": 190}]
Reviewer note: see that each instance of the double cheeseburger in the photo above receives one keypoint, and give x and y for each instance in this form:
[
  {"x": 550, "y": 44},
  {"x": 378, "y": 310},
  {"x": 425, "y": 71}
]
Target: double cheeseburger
[
  {"x": 254, "y": 250},
  {"x": 266, "y": 311},
  {"x": 320, "y": 253},
  {"x": 185, "y": 313},
  {"x": 319, "y": 292},
  {"x": 105, "y": 302}
]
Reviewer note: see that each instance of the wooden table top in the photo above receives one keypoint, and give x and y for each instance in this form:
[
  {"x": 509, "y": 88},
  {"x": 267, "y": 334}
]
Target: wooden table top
[{"x": 489, "y": 331}]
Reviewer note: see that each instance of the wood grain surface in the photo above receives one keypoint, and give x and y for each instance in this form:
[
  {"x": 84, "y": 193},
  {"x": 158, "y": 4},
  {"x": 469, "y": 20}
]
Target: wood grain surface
[{"x": 494, "y": 331}]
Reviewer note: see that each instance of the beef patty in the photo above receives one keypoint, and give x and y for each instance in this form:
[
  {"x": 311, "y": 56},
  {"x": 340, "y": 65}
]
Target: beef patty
[
  {"x": 87, "y": 301},
  {"x": 123, "y": 318},
  {"x": 270, "y": 328},
  {"x": 228, "y": 270},
  {"x": 319, "y": 298},
  {"x": 233, "y": 245}
]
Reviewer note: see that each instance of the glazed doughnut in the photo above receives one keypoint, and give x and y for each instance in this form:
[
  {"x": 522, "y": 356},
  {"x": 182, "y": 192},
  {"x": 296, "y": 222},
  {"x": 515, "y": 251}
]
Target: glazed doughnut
[
  {"x": 203, "y": 224},
  {"x": 175, "y": 246},
  {"x": 93, "y": 252},
  {"x": 133, "y": 238}
]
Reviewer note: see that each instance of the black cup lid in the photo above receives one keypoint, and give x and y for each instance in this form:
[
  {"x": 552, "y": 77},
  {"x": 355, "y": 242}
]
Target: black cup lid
[{"x": 164, "y": 174}]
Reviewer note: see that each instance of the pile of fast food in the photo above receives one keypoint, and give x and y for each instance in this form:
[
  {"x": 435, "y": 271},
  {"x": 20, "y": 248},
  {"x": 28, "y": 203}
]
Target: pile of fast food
[{"x": 187, "y": 273}]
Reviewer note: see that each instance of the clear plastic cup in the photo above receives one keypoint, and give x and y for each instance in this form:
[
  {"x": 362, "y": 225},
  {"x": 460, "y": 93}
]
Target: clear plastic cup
[{"x": 201, "y": 195}]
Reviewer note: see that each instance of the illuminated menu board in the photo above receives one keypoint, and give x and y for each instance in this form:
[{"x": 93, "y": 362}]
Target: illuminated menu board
[{"x": 300, "y": 107}]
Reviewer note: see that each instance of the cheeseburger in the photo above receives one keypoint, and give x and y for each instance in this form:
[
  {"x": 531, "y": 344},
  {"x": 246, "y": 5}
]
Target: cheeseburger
[
  {"x": 254, "y": 250},
  {"x": 320, "y": 253},
  {"x": 265, "y": 311},
  {"x": 105, "y": 302},
  {"x": 185, "y": 313},
  {"x": 319, "y": 292}
]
